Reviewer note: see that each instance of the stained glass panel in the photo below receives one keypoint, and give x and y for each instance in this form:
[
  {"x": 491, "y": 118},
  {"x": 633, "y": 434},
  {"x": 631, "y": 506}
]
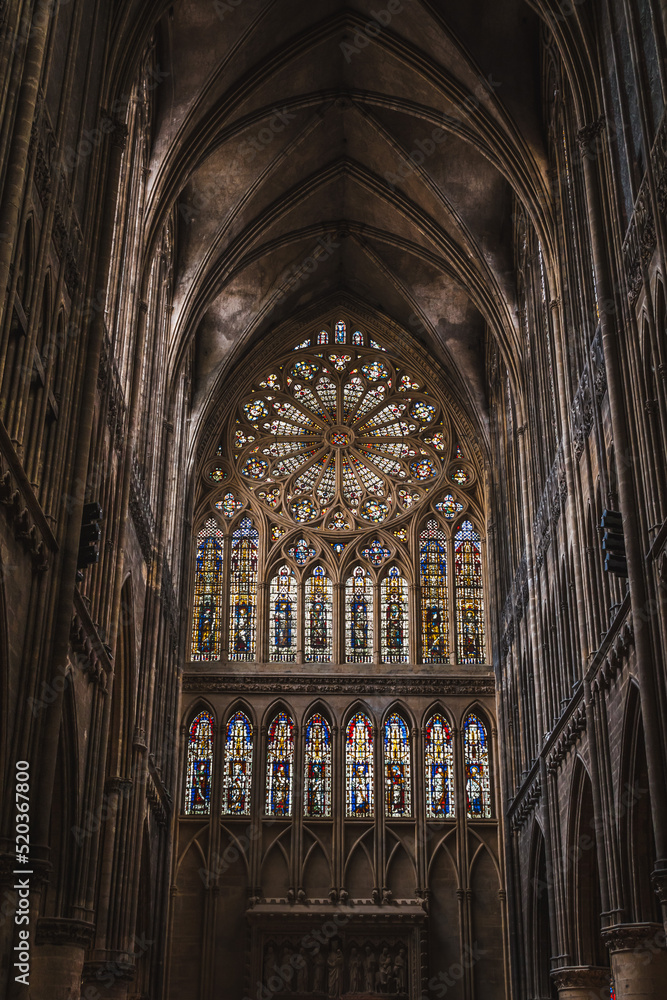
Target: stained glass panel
[
  {"x": 282, "y": 617},
  {"x": 359, "y": 767},
  {"x": 358, "y": 338},
  {"x": 433, "y": 579},
  {"x": 200, "y": 760},
  {"x": 317, "y": 768},
  {"x": 243, "y": 591},
  {"x": 376, "y": 552},
  {"x": 359, "y": 617},
  {"x": 397, "y": 779},
  {"x": 323, "y": 337},
  {"x": 319, "y": 615},
  {"x": 469, "y": 595},
  {"x": 340, "y": 332},
  {"x": 476, "y": 756},
  {"x": 280, "y": 766},
  {"x": 394, "y": 617},
  {"x": 238, "y": 766},
  {"x": 439, "y": 769},
  {"x": 207, "y": 609}
]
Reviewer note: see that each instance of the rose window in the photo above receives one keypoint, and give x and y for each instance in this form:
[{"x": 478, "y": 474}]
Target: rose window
[{"x": 340, "y": 440}]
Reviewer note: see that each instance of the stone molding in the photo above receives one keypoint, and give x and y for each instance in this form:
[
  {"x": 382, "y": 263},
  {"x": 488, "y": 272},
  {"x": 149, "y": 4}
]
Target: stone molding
[
  {"x": 582, "y": 976},
  {"x": 308, "y": 684},
  {"x": 64, "y": 930},
  {"x": 633, "y": 937}
]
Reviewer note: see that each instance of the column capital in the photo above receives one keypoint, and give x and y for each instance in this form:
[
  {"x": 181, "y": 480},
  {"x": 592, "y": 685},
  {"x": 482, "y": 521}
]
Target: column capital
[
  {"x": 634, "y": 937},
  {"x": 578, "y": 977},
  {"x": 588, "y": 134}
]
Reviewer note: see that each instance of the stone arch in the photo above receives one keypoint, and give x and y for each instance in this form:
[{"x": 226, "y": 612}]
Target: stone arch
[
  {"x": 541, "y": 940},
  {"x": 582, "y": 858}
]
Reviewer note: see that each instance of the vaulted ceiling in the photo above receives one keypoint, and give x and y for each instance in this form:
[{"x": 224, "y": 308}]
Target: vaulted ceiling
[{"x": 372, "y": 151}]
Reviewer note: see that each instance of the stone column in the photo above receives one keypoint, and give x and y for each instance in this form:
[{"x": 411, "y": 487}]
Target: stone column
[
  {"x": 57, "y": 959},
  {"x": 582, "y": 982},
  {"x": 638, "y": 960}
]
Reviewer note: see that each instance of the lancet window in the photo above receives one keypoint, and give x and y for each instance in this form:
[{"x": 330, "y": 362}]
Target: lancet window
[
  {"x": 199, "y": 765},
  {"x": 317, "y": 768},
  {"x": 397, "y": 777},
  {"x": 359, "y": 767},
  {"x": 280, "y": 766},
  {"x": 207, "y": 610},
  {"x": 439, "y": 768},
  {"x": 238, "y": 766},
  {"x": 476, "y": 756}
]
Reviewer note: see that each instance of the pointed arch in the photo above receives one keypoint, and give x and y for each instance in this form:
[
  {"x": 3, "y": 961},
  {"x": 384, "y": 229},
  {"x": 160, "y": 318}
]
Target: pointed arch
[
  {"x": 238, "y": 764},
  {"x": 283, "y": 616},
  {"x": 317, "y": 777},
  {"x": 280, "y": 765},
  {"x": 394, "y": 617},
  {"x": 477, "y": 763},
  {"x": 585, "y": 894},
  {"x": 318, "y": 616},
  {"x": 243, "y": 563},
  {"x": 397, "y": 760},
  {"x": 207, "y": 603},
  {"x": 439, "y": 767},
  {"x": 433, "y": 545},
  {"x": 199, "y": 765},
  {"x": 359, "y": 589},
  {"x": 359, "y": 766},
  {"x": 469, "y": 591}
]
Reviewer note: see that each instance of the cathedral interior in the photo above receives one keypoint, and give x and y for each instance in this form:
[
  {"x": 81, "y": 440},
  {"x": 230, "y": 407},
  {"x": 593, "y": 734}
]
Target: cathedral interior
[{"x": 333, "y": 499}]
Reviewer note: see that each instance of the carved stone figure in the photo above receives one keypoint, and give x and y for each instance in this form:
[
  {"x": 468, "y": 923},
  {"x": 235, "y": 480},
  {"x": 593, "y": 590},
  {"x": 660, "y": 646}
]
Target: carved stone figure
[
  {"x": 355, "y": 967},
  {"x": 335, "y": 979},
  {"x": 384, "y": 971},
  {"x": 370, "y": 964},
  {"x": 401, "y": 972},
  {"x": 320, "y": 967}
]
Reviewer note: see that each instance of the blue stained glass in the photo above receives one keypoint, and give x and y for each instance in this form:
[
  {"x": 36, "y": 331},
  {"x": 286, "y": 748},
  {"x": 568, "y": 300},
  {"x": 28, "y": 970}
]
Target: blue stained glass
[
  {"x": 323, "y": 337},
  {"x": 317, "y": 768},
  {"x": 206, "y": 624},
  {"x": 359, "y": 617},
  {"x": 359, "y": 767},
  {"x": 340, "y": 332},
  {"x": 243, "y": 591},
  {"x": 433, "y": 579},
  {"x": 376, "y": 552},
  {"x": 470, "y": 646},
  {"x": 280, "y": 761},
  {"x": 397, "y": 779},
  {"x": 394, "y": 618},
  {"x": 238, "y": 766},
  {"x": 200, "y": 756},
  {"x": 302, "y": 552},
  {"x": 439, "y": 767},
  {"x": 282, "y": 633},
  {"x": 476, "y": 755},
  {"x": 319, "y": 616},
  {"x": 358, "y": 338}
]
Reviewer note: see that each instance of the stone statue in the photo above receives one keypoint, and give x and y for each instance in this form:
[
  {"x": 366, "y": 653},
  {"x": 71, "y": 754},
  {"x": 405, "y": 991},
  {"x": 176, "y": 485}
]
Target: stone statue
[
  {"x": 354, "y": 966},
  {"x": 384, "y": 971},
  {"x": 318, "y": 979},
  {"x": 335, "y": 964},
  {"x": 369, "y": 969},
  {"x": 401, "y": 972},
  {"x": 302, "y": 972}
]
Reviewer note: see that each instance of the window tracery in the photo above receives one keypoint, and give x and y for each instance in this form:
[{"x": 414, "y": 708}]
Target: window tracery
[
  {"x": 317, "y": 768},
  {"x": 469, "y": 594},
  {"x": 199, "y": 766},
  {"x": 439, "y": 766},
  {"x": 329, "y": 451},
  {"x": 397, "y": 779},
  {"x": 206, "y": 631},
  {"x": 476, "y": 756},
  {"x": 359, "y": 767},
  {"x": 238, "y": 766},
  {"x": 280, "y": 766}
]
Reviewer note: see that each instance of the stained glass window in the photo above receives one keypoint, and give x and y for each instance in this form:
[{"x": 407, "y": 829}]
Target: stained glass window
[
  {"x": 397, "y": 780},
  {"x": 319, "y": 615},
  {"x": 207, "y": 610},
  {"x": 282, "y": 616},
  {"x": 433, "y": 579},
  {"x": 279, "y": 766},
  {"x": 200, "y": 760},
  {"x": 243, "y": 591},
  {"x": 469, "y": 595},
  {"x": 238, "y": 766},
  {"x": 317, "y": 768},
  {"x": 359, "y": 767},
  {"x": 439, "y": 768},
  {"x": 476, "y": 755},
  {"x": 359, "y": 617},
  {"x": 358, "y": 338},
  {"x": 323, "y": 337},
  {"x": 376, "y": 552},
  {"x": 394, "y": 618},
  {"x": 340, "y": 332}
]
